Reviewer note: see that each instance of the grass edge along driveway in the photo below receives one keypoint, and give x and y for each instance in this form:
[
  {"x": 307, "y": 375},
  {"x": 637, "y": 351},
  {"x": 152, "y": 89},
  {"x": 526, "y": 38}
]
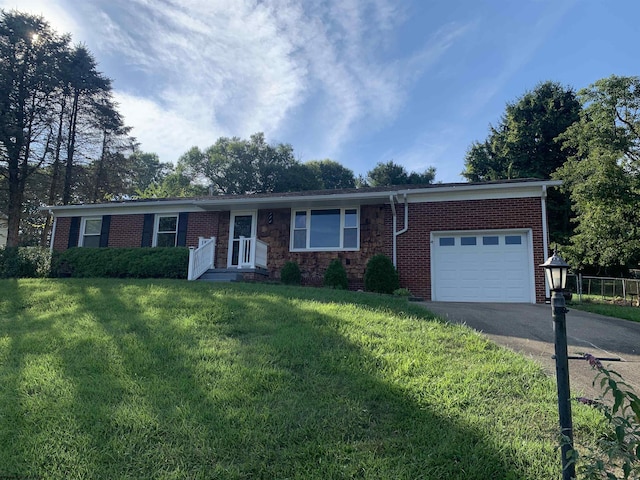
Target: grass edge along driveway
[{"x": 170, "y": 379}]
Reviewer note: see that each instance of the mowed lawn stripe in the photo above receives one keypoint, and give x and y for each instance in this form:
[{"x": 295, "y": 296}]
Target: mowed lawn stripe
[{"x": 169, "y": 379}]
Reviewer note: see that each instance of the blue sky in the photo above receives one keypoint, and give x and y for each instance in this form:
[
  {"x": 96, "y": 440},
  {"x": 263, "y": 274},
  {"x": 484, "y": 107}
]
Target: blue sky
[{"x": 360, "y": 82}]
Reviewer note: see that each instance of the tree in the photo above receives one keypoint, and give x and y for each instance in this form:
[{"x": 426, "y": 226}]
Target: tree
[
  {"x": 84, "y": 83},
  {"x": 31, "y": 54},
  {"x": 390, "y": 173},
  {"x": 602, "y": 175},
  {"x": 332, "y": 175},
  {"x": 524, "y": 145},
  {"x": 236, "y": 166}
]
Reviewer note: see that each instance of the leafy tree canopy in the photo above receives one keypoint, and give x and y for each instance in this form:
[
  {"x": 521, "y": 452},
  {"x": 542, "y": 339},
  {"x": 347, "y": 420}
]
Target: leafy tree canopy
[
  {"x": 523, "y": 144},
  {"x": 332, "y": 175},
  {"x": 603, "y": 175},
  {"x": 236, "y": 166},
  {"x": 391, "y": 173}
]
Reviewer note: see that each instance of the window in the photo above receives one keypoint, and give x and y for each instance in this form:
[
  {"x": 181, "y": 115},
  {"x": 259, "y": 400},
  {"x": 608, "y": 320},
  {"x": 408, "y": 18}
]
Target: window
[
  {"x": 447, "y": 242},
  {"x": 90, "y": 232},
  {"x": 166, "y": 231},
  {"x": 513, "y": 240},
  {"x": 327, "y": 229},
  {"x": 492, "y": 240},
  {"x": 468, "y": 241}
]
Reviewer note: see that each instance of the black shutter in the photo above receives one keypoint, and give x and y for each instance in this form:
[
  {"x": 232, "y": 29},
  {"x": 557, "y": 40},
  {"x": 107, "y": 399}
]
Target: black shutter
[
  {"x": 147, "y": 230},
  {"x": 183, "y": 219},
  {"x": 104, "y": 231},
  {"x": 74, "y": 232}
]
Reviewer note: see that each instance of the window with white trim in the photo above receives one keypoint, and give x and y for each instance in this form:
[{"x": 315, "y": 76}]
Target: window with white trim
[
  {"x": 166, "y": 231},
  {"x": 90, "y": 232},
  {"x": 325, "y": 229}
]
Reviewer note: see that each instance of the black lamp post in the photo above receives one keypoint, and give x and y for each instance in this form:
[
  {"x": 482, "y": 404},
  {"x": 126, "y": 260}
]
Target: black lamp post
[{"x": 556, "y": 269}]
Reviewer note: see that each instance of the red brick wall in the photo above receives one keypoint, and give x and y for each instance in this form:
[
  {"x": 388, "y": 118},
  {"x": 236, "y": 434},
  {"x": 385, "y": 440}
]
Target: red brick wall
[
  {"x": 414, "y": 253},
  {"x": 201, "y": 224},
  {"x": 126, "y": 231},
  {"x": 61, "y": 238}
]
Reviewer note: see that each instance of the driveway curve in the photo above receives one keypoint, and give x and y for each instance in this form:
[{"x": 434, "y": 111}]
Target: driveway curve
[{"x": 528, "y": 329}]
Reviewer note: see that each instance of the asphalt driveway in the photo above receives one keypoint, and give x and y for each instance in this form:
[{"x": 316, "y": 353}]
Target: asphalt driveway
[{"x": 528, "y": 329}]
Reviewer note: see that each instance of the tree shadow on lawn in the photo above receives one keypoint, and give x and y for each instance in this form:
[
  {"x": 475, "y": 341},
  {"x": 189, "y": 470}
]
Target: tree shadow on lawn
[{"x": 139, "y": 386}]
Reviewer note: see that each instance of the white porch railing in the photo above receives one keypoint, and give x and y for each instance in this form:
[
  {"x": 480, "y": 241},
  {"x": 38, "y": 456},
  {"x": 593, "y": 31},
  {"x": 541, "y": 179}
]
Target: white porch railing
[
  {"x": 202, "y": 258},
  {"x": 253, "y": 253}
]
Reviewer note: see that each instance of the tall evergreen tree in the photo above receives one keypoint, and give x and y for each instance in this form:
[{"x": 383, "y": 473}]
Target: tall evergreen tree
[{"x": 31, "y": 54}]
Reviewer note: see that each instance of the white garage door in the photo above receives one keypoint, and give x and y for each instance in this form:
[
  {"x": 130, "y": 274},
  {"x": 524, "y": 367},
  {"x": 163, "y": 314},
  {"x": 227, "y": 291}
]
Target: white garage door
[{"x": 484, "y": 266}]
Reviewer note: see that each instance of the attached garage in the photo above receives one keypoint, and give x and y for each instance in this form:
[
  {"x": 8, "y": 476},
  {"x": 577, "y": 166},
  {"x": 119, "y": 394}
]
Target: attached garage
[{"x": 482, "y": 266}]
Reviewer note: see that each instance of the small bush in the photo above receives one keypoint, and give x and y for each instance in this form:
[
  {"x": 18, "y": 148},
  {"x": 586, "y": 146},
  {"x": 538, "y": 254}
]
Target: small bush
[
  {"x": 381, "y": 276},
  {"x": 336, "y": 275},
  {"x": 402, "y": 292},
  {"x": 122, "y": 262},
  {"x": 24, "y": 262},
  {"x": 290, "y": 274}
]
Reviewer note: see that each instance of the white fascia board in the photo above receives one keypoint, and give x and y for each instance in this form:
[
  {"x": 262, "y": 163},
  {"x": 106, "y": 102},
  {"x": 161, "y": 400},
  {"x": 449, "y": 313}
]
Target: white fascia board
[
  {"x": 137, "y": 208},
  {"x": 302, "y": 201},
  {"x": 478, "y": 191},
  {"x": 431, "y": 194}
]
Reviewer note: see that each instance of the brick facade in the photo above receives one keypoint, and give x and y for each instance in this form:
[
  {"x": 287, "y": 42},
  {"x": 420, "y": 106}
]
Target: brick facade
[
  {"x": 376, "y": 236},
  {"x": 414, "y": 252},
  {"x": 61, "y": 238},
  {"x": 126, "y": 231}
]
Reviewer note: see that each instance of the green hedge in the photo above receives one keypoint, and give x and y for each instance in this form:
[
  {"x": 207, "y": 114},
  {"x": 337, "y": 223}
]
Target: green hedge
[
  {"x": 24, "y": 262},
  {"x": 121, "y": 262}
]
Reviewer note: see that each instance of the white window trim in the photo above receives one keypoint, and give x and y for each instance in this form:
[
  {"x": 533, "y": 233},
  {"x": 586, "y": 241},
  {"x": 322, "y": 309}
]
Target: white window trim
[
  {"x": 308, "y": 230},
  {"x": 83, "y": 226},
  {"x": 156, "y": 226}
]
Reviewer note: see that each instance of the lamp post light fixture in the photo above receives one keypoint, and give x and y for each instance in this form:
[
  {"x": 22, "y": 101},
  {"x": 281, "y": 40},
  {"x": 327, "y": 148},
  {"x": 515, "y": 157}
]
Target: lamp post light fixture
[{"x": 556, "y": 269}]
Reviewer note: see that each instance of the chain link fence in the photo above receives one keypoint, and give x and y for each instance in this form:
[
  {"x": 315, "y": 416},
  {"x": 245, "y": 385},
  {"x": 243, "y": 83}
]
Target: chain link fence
[{"x": 626, "y": 289}]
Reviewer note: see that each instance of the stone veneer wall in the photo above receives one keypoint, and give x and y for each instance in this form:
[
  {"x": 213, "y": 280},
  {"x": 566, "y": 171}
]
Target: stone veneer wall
[{"x": 374, "y": 238}]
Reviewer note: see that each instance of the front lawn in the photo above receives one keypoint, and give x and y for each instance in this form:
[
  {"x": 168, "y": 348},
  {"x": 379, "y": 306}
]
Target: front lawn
[
  {"x": 111, "y": 379},
  {"x": 610, "y": 308}
]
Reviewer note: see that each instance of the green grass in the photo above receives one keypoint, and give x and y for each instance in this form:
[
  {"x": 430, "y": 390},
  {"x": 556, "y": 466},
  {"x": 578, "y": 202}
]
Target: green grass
[
  {"x": 609, "y": 308},
  {"x": 111, "y": 379}
]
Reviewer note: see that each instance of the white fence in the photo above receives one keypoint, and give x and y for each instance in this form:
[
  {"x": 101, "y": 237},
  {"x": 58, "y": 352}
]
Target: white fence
[{"x": 202, "y": 258}]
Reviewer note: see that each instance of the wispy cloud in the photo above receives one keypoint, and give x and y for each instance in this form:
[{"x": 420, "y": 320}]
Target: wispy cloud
[{"x": 208, "y": 68}]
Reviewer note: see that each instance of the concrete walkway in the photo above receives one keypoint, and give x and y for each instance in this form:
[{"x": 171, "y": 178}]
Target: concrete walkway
[{"x": 528, "y": 329}]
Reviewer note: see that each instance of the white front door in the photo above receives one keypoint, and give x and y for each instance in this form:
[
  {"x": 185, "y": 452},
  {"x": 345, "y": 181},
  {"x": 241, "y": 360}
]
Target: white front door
[{"x": 242, "y": 224}]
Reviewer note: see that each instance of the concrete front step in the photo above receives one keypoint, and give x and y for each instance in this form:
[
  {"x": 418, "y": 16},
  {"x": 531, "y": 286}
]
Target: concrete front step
[{"x": 230, "y": 274}]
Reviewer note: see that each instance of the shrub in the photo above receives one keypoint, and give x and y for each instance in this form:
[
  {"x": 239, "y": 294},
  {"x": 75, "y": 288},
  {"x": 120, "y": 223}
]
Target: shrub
[
  {"x": 618, "y": 450},
  {"x": 24, "y": 262},
  {"x": 336, "y": 275},
  {"x": 402, "y": 292},
  {"x": 122, "y": 262},
  {"x": 381, "y": 276},
  {"x": 290, "y": 274}
]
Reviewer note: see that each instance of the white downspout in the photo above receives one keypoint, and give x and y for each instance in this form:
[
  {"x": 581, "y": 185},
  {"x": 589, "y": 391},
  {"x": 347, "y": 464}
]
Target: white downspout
[
  {"x": 53, "y": 231},
  {"x": 393, "y": 211},
  {"x": 545, "y": 239},
  {"x": 396, "y": 233}
]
